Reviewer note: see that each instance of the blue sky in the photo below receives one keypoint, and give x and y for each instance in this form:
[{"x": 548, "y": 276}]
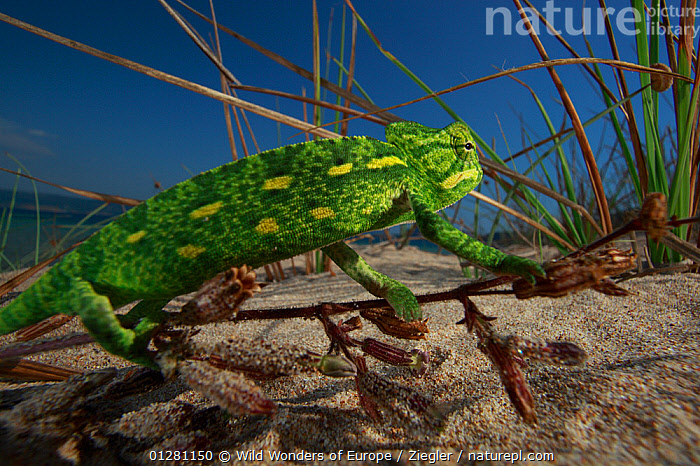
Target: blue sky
[{"x": 80, "y": 121}]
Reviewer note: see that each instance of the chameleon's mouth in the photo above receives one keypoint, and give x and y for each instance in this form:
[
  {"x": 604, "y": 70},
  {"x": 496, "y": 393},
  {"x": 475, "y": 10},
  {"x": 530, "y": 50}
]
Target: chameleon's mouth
[{"x": 452, "y": 180}]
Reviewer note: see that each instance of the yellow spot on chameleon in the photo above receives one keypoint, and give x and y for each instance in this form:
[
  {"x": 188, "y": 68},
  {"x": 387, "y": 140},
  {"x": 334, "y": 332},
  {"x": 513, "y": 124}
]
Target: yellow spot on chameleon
[
  {"x": 190, "y": 251},
  {"x": 385, "y": 162},
  {"x": 134, "y": 237},
  {"x": 340, "y": 169},
  {"x": 207, "y": 210},
  {"x": 452, "y": 180},
  {"x": 322, "y": 212},
  {"x": 267, "y": 225},
  {"x": 281, "y": 182}
]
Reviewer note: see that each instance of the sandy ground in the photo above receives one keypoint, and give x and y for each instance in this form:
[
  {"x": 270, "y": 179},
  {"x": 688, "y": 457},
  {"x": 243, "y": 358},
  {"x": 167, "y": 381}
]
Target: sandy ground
[{"x": 635, "y": 401}]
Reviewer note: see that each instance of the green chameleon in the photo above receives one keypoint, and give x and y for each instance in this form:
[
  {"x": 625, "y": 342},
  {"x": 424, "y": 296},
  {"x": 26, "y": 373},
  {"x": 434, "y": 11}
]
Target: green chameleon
[{"x": 262, "y": 209}]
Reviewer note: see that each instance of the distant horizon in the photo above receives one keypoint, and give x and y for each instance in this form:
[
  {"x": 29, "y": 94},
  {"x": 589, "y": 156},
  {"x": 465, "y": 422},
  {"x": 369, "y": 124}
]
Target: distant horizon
[{"x": 45, "y": 199}]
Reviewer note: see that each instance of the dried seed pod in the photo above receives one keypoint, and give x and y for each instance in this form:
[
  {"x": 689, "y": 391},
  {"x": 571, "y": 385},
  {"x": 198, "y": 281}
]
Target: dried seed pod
[
  {"x": 567, "y": 275},
  {"x": 386, "y": 352},
  {"x": 661, "y": 82},
  {"x": 261, "y": 359},
  {"x": 418, "y": 360},
  {"x": 389, "y": 324},
  {"x": 653, "y": 215},
  {"x": 135, "y": 381},
  {"x": 352, "y": 324},
  {"x": 608, "y": 287},
  {"x": 612, "y": 261},
  {"x": 512, "y": 377},
  {"x": 60, "y": 409},
  {"x": 559, "y": 353},
  {"x": 175, "y": 415},
  {"x": 220, "y": 297},
  {"x": 232, "y": 391}
]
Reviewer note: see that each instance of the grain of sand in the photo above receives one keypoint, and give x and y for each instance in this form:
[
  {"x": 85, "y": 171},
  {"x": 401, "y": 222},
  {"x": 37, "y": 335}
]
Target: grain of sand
[{"x": 635, "y": 401}]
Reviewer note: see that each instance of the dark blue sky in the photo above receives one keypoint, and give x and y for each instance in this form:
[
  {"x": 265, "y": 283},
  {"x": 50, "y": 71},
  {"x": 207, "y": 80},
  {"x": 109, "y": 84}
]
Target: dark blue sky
[{"x": 77, "y": 120}]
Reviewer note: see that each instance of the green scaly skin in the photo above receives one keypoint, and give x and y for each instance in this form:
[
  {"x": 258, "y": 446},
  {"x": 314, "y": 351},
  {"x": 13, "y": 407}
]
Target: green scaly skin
[{"x": 259, "y": 210}]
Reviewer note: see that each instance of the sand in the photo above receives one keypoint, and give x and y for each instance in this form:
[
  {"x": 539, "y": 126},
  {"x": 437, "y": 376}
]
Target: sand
[{"x": 635, "y": 401}]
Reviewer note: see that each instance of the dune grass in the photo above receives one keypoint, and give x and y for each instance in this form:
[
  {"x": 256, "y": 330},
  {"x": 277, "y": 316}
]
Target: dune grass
[{"x": 575, "y": 202}]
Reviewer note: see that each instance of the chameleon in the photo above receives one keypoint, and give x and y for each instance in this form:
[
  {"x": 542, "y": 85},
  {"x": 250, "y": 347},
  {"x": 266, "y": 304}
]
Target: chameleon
[{"x": 258, "y": 210}]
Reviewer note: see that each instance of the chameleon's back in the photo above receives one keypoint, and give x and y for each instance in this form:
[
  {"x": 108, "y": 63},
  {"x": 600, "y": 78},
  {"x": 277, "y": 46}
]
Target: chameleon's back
[{"x": 255, "y": 211}]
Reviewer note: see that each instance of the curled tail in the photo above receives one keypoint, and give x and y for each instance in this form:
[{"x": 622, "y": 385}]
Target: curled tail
[{"x": 35, "y": 304}]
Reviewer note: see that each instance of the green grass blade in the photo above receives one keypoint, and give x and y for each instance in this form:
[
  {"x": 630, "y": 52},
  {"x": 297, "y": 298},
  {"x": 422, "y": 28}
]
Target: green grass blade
[
  {"x": 6, "y": 233},
  {"x": 575, "y": 224},
  {"x": 344, "y": 71},
  {"x": 403, "y": 67},
  {"x": 339, "y": 62},
  {"x": 36, "y": 205},
  {"x": 60, "y": 245},
  {"x": 647, "y": 99},
  {"x": 538, "y": 207},
  {"x": 654, "y": 43},
  {"x": 632, "y": 169}
]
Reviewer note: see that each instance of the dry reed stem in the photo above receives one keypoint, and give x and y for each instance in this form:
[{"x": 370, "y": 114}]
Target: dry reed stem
[
  {"x": 586, "y": 149},
  {"x": 571, "y": 50},
  {"x": 81, "y": 192},
  {"x": 629, "y": 111},
  {"x": 309, "y": 100},
  {"x": 225, "y": 89},
  {"x": 22, "y": 277},
  {"x": 351, "y": 72},
  {"x": 522, "y": 179},
  {"x": 523, "y": 218},
  {"x": 357, "y": 100},
  {"x": 23, "y": 369},
  {"x": 551, "y": 63}
]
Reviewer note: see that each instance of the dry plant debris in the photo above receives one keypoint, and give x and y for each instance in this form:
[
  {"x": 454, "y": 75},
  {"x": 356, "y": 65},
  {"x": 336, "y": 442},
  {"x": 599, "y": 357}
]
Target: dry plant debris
[
  {"x": 222, "y": 372},
  {"x": 216, "y": 372}
]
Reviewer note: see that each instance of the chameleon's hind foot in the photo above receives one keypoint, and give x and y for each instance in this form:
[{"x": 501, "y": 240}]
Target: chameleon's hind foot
[{"x": 98, "y": 316}]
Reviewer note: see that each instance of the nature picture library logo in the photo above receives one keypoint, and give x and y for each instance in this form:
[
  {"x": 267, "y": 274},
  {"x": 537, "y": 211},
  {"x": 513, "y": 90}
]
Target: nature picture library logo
[{"x": 575, "y": 21}]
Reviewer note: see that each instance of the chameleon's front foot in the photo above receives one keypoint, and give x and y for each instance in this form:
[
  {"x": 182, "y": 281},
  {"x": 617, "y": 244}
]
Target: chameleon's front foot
[
  {"x": 397, "y": 294},
  {"x": 515, "y": 265}
]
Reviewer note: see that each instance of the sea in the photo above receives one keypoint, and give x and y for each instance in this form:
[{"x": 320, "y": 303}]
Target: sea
[{"x": 67, "y": 219}]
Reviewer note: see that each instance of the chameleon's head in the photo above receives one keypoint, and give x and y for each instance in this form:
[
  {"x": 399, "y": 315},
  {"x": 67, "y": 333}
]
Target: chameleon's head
[{"x": 444, "y": 162}]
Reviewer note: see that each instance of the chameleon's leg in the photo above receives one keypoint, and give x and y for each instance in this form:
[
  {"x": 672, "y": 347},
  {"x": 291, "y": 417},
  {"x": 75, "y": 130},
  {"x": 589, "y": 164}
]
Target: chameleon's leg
[
  {"x": 397, "y": 294},
  {"x": 440, "y": 231},
  {"x": 152, "y": 309},
  {"x": 98, "y": 316},
  {"x": 145, "y": 317}
]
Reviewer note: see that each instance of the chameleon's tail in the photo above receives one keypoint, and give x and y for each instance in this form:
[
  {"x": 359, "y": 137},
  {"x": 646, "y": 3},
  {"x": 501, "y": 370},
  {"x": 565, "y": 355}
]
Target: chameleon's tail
[{"x": 33, "y": 305}]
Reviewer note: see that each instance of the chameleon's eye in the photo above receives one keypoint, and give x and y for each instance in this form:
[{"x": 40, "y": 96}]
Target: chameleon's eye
[{"x": 461, "y": 146}]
